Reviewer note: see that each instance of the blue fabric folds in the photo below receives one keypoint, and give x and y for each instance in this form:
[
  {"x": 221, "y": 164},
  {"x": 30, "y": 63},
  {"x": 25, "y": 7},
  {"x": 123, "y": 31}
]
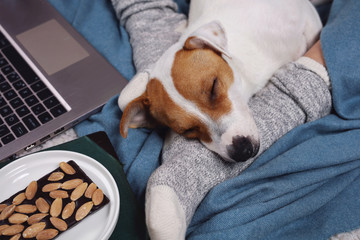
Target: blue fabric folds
[{"x": 306, "y": 186}]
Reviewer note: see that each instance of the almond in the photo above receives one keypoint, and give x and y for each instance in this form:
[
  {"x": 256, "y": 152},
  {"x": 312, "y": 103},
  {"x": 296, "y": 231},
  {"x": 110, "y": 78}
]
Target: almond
[
  {"x": 56, "y": 207},
  {"x": 90, "y": 190},
  {"x": 68, "y": 210},
  {"x": 31, "y": 190},
  {"x": 7, "y": 212},
  {"x": 2, "y": 227},
  {"x": 58, "y": 223},
  {"x": 36, "y": 218},
  {"x": 33, "y": 230},
  {"x": 47, "y": 234},
  {"x": 83, "y": 211},
  {"x": 12, "y": 230},
  {"x": 19, "y": 198},
  {"x": 2, "y": 207},
  {"x": 98, "y": 197},
  {"x": 26, "y": 208},
  {"x": 18, "y": 218},
  {"x": 78, "y": 191},
  {"x": 42, "y": 205},
  {"x": 71, "y": 184},
  {"x": 56, "y": 176},
  {"x": 59, "y": 194},
  {"x": 67, "y": 168},
  {"x": 16, "y": 237},
  {"x": 51, "y": 187}
]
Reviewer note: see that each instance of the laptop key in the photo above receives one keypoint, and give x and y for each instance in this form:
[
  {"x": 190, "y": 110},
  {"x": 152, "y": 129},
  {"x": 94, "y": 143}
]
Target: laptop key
[
  {"x": 21, "y": 65},
  {"x": 38, "y": 86},
  {"x": 4, "y": 42},
  {"x": 37, "y": 109},
  {"x": 58, "y": 110},
  {"x": 17, "y": 102},
  {"x": 7, "y": 70},
  {"x": 25, "y": 92},
  {"x": 3, "y": 62},
  {"x": 44, "y": 94},
  {"x": 22, "y": 111},
  {"x": 19, "y": 129},
  {"x": 11, "y": 120},
  {"x": 8, "y": 138},
  {"x": 45, "y": 117},
  {"x": 31, "y": 122},
  {"x": 4, "y": 87},
  {"x": 10, "y": 94},
  {"x": 4, "y": 130},
  {"x": 19, "y": 84},
  {"x": 2, "y": 102},
  {"x": 5, "y": 111},
  {"x": 13, "y": 77},
  {"x": 2, "y": 78},
  {"x": 32, "y": 100},
  {"x": 51, "y": 102}
]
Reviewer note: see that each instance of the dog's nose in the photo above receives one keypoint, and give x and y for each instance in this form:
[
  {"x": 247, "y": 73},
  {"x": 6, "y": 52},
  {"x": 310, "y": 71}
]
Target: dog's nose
[{"x": 242, "y": 148}]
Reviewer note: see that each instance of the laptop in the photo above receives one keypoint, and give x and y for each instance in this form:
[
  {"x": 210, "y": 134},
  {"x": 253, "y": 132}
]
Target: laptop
[{"x": 51, "y": 78}]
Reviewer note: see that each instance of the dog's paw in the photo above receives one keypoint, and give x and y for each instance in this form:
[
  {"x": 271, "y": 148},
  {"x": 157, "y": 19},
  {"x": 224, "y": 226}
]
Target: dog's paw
[{"x": 165, "y": 217}]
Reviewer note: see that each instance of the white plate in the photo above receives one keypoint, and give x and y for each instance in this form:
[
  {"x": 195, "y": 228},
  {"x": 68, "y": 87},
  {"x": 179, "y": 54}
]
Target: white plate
[{"x": 99, "y": 225}]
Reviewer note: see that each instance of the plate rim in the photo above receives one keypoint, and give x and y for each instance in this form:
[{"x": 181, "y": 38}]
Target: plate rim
[{"x": 107, "y": 233}]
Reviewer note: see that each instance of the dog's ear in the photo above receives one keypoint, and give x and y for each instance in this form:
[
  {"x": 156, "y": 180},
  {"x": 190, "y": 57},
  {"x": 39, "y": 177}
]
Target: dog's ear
[
  {"x": 135, "y": 88},
  {"x": 210, "y": 35},
  {"x": 136, "y": 115}
]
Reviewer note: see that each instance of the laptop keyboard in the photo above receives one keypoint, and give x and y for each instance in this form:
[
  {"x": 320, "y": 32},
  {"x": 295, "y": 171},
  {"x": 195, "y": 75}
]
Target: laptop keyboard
[{"x": 25, "y": 101}]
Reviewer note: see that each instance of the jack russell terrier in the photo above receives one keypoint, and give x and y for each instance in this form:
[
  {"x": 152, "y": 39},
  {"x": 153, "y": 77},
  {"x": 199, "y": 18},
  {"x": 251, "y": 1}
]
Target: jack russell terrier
[{"x": 201, "y": 85}]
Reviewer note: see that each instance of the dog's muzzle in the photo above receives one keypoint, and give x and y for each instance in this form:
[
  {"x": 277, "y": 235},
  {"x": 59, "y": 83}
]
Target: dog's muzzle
[{"x": 242, "y": 148}]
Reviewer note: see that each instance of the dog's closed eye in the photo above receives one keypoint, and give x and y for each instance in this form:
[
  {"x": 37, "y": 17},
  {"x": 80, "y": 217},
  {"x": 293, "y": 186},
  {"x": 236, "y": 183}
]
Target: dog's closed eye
[
  {"x": 190, "y": 133},
  {"x": 213, "y": 89}
]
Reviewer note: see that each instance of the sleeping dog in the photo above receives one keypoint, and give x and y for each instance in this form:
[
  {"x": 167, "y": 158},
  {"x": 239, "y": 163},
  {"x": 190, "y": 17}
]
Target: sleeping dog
[{"x": 201, "y": 85}]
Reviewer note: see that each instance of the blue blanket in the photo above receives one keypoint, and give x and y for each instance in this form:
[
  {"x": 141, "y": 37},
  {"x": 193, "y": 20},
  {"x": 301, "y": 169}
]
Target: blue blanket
[{"x": 306, "y": 186}]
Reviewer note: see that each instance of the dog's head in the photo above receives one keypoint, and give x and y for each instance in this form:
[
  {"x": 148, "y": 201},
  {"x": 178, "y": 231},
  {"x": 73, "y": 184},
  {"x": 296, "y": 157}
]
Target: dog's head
[{"x": 194, "y": 90}]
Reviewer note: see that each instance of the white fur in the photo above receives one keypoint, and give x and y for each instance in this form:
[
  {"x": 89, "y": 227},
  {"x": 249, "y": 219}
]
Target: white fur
[
  {"x": 255, "y": 38},
  {"x": 133, "y": 89}
]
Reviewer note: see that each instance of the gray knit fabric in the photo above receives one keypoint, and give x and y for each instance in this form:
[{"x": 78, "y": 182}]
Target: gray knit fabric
[
  {"x": 294, "y": 96},
  {"x": 152, "y": 26}
]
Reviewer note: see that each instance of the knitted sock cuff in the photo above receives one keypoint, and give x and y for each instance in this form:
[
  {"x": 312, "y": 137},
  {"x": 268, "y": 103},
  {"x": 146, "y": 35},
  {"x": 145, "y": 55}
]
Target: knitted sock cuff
[{"x": 315, "y": 67}]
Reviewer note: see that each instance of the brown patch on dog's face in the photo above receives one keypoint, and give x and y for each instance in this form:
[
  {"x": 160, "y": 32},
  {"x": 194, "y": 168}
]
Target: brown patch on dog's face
[
  {"x": 166, "y": 112},
  {"x": 200, "y": 76},
  {"x": 203, "y": 77}
]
